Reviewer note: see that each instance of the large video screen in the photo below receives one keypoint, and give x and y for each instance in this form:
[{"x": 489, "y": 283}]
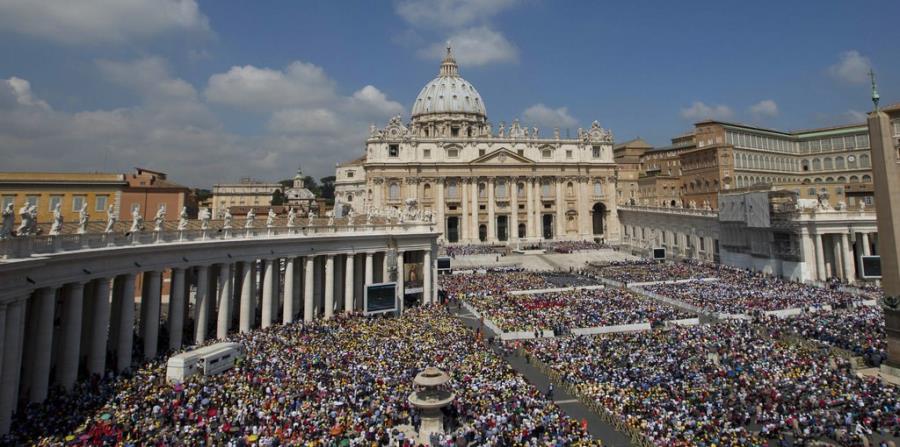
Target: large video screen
[
  {"x": 659, "y": 253},
  {"x": 381, "y": 298},
  {"x": 443, "y": 263},
  {"x": 871, "y": 266}
]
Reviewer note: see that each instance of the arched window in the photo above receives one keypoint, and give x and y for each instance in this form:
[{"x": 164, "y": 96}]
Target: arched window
[
  {"x": 427, "y": 191},
  {"x": 839, "y": 163},
  {"x": 482, "y": 191},
  {"x": 854, "y": 179},
  {"x": 829, "y": 179},
  {"x": 842, "y": 179},
  {"x": 394, "y": 191},
  {"x": 867, "y": 178},
  {"x": 817, "y": 164},
  {"x": 818, "y": 180},
  {"x": 349, "y": 198},
  {"x": 828, "y": 164},
  {"x": 864, "y": 161},
  {"x": 520, "y": 189},
  {"x": 851, "y": 162},
  {"x": 804, "y": 165}
]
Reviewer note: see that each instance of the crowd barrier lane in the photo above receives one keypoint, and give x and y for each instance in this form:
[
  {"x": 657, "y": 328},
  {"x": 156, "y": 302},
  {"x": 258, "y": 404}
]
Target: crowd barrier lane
[
  {"x": 555, "y": 290},
  {"x": 683, "y": 322},
  {"x": 612, "y": 329},
  {"x": 671, "y": 281}
]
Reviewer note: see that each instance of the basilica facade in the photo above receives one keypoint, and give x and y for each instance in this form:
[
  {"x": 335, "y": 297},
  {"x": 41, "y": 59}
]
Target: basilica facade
[{"x": 507, "y": 185}]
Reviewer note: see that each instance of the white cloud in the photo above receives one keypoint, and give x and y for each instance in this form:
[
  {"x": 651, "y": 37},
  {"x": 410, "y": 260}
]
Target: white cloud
[
  {"x": 474, "y": 47},
  {"x": 544, "y": 116},
  {"x": 856, "y": 116},
  {"x": 700, "y": 111},
  {"x": 766, "y": 108},
  {"x": 172, "y": 129},
  {"x": 852, "y": 67},
  {"x": 100, "y": 21},
  {"x": 449, "y": 13},
  {"x": 300, "y": 84}
]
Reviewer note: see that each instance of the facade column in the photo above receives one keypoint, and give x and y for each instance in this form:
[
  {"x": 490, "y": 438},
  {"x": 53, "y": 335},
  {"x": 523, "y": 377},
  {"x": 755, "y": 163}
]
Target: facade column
[
  {"x": 176, "y": 307},
  {"x": 385, "y": 269},
  {"x": 100, "y": 327},
  {"x": 329, "y": 286},
  {"x": 847, "y": 259},
  {"x": 438, "y": 211},
  {"x": 248, "y": 290},
  {"x": 369, "y": 268},
  {"x": 492, "y": 217},
  {"x": 71, "y": 334},
  {"x": 308, "y": 285},
  {"x": 513, "y": 231},
  {"x": 866, "y": 248},
  {"x": 401, "y": 288},
  {"x": 476, "y": 234},
  {"x": 427, "y": 269},
  {"x": 584, "y": 208},
  {"x": 821, "y": 274},
  {"x": 125, "y": 337},
  {"x": 13, "y": 340},
  {"x": 268, "y": 289},
  {"x": 289, "y": 285},
  {"x": 201, "y": 305},
  {"x": 836, "y": 255},
  {"x": 560, "y": 210},
  {"x": 151, "y": 329},
  {"x": 224, "y": 308},
  {"x": 529, "y": 208},
  {"x": 45, "y": 305},
  {"x": 348, "y": 283},
  {"x": 463, "y": 191},
  {"x": 538, "y": 205}
]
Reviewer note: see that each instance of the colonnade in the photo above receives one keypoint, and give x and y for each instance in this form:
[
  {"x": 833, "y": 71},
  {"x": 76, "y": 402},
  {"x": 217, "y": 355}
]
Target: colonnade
[
  {"x": 52, "y": 335},
  {"x": 838, "y": 253},
  {"x": 677, "y": 243}
]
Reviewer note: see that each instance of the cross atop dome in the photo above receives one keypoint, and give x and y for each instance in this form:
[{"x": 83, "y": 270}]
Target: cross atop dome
[{"x": 448, "y": 65}]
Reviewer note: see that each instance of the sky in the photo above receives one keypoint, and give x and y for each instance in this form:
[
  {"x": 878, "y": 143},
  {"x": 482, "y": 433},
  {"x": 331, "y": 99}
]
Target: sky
[{"x": 212, "y": 91}]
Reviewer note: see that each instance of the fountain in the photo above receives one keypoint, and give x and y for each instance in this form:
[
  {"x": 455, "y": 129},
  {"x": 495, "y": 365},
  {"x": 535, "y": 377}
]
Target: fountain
[{"x": 429, "y": 397}]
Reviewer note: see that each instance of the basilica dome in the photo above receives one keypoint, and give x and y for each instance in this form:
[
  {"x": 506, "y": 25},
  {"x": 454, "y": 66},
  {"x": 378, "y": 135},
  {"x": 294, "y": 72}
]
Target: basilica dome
[{"x": 448, "y": 93}]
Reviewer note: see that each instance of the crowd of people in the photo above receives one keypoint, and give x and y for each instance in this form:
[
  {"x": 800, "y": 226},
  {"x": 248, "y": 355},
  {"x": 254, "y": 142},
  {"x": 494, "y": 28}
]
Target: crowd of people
[
  {"x": 490, "y": 283},
  {"x": 648, "y": 270},
  {"x": 472, "y": 249},
  {"x": 743, "y": 292},
  {"x": 339, "y": 382},
  {"x": 725, "y": 384},
  {"x": 574, "y": 246},
  {"x": 573, "y": 309},
  {"x": 858, "y": 330}
]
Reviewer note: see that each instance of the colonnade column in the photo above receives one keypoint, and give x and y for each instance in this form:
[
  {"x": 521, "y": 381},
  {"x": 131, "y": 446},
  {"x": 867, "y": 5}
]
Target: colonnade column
[
  {"x": 475, "y": 232},
  {"x": 44, "y": 305},
  {"x": 309, "y": 271},
  {"x": 201, "y": 305},
  {"x": 492, "y": 217},
  {"x": 329, "y": 286},
  {"x": 529, "y": 207},
  {"x": 125, "y": 334},
  {"x": 513, "y": 230},
  {"x": 821, "y": 275},
  {"x": 268, "y": 288},
  {"x": 426, "y": 278},
  {"x": 847, "y": 258},
  {"x": 248, "y": 290},
  {"x": 176, "y": 307},
  {"x": 224, "y": 313},
  {"x": 151, "y": 329},
  {"x": 560, "y": 209},
  {"x": 288, "y": 303},
  {"x": 348, "y": 283},
  {"x": 99, "y": 331},
  {"x": 13, "y": 333},
  {"x": 401, "y": 287},
  {"x": 463, "y": 189},
  {"x": 71, "y": 334}
]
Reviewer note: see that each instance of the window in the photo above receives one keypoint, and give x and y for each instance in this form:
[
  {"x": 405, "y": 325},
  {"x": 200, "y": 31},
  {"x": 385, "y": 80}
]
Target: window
[
  {"x": 32, "y": 200},
  {"x": 55, "y": 200},
  {"x": 427, "y": 191},
  {"x": 570, "y": 189},
  {"x": 521, "y": 152},
  {"x": 78, "y": 202},
  {"x": 839, "y": 163},
  {"x": 349, "y": 174},
  {"x": 546, "y": 153},
  {"x": 569, "y": 154},
  {"x": 393, "y": 150},
  {"x": 452, "y": 190},
  {"x": 520, "y": 190},
  {"x": 426, "y": 153},
  {"x": 500, "y": 190},
  {"x": 864, "y": 161},
  {"x": 8, "y": 200},
  {"x": 454, "y": 131},
  {"x": 394, "y": 191},
  {"x": 867, "y": 178},
  {"x": 453, "y": 153},
  {"x": 349, "y": 197},
  {"x": 545, "y": 189},
  {"x": 482, "y": 191},
  {"x": 481, "y": 152},
  {"x": 595, "y": 152}
]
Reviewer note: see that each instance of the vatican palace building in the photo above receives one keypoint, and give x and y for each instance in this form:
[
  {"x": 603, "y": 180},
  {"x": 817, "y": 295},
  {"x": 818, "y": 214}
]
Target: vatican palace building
[{"x": 507, "y": 184}]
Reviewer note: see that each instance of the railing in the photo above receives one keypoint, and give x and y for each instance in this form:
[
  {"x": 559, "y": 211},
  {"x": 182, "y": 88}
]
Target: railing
[
  {"x": 666, "y": 210},
  {"x": 25, "y": 246}
]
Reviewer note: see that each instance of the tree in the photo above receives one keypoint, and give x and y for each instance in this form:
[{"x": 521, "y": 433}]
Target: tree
[
  {"x": 327, "y": 189},
  {"x": 277, "y": 198}
]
